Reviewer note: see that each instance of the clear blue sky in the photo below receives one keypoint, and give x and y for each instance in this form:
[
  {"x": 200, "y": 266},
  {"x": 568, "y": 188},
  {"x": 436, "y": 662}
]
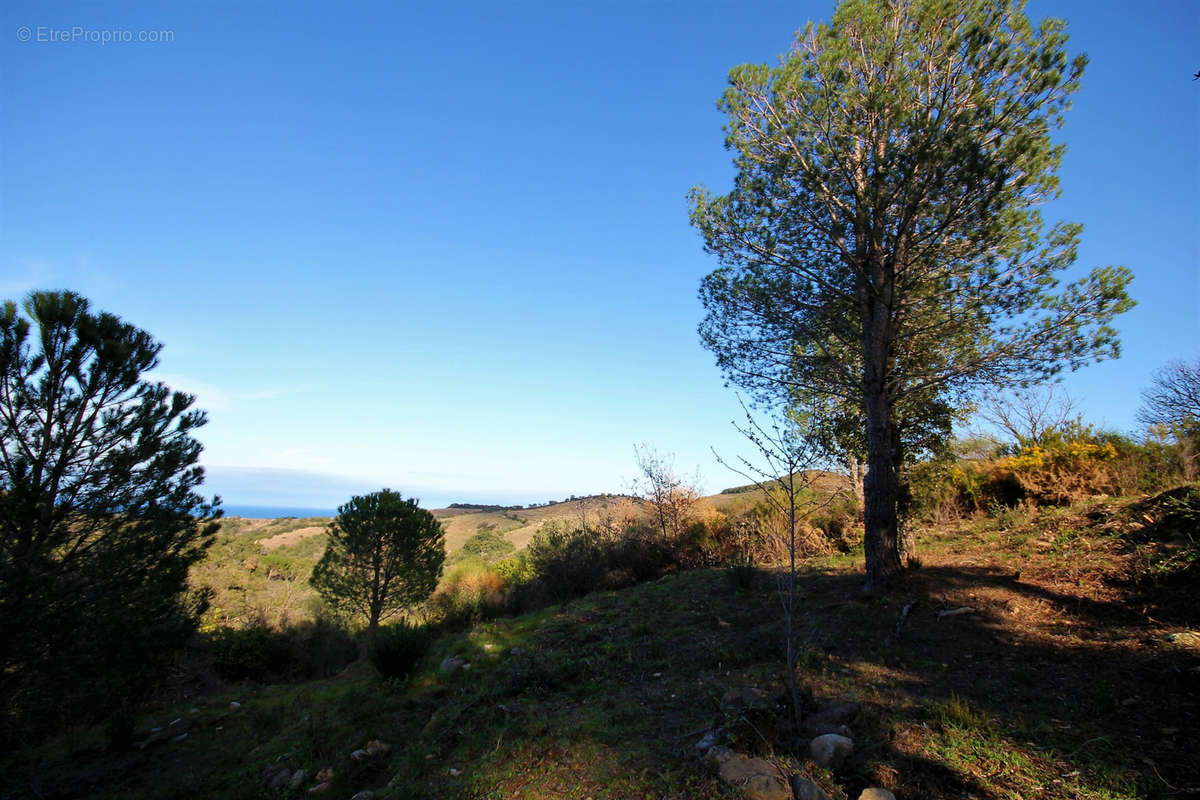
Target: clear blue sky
[{"x": 444, "y": 247}]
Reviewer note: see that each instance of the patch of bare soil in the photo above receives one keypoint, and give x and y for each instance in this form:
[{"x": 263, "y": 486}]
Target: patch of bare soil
[{"x": 290, "y": 537}]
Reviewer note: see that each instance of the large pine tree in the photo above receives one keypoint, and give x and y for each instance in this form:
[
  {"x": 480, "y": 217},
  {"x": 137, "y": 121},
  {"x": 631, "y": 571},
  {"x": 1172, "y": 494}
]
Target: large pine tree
[
  {"x": 99, "y": 517},
  {"x": 882, "y": 244}
]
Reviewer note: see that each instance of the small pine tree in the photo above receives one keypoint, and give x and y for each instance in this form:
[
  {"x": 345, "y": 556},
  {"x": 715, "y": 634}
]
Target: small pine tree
[{"x": 384, "y": 555}]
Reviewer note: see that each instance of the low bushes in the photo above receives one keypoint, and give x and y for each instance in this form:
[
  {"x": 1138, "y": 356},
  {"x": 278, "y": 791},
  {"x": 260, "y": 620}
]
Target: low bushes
[
  {"x": 562, "y": 562},
  {"x": 398, "y": 648},
  {"x": 1060, "y": 472},
  {"x": 568, "y": 562},
  {"x": 486, "y": 546},
  {"x": 1064, "y": 467},
  {"x": 257, "y": 653}
]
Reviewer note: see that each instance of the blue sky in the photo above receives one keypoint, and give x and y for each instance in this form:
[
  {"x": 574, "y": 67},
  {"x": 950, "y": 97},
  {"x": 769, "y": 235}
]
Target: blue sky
[{"x": 445, "y": 248}]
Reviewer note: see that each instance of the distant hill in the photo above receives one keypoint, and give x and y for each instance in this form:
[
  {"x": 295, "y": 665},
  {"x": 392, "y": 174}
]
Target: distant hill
[{"x": 258, "y": 569}]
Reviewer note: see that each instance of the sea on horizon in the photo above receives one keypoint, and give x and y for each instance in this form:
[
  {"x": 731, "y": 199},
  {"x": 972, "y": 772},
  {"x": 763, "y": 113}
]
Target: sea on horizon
[{"x": 275, "y": 512}]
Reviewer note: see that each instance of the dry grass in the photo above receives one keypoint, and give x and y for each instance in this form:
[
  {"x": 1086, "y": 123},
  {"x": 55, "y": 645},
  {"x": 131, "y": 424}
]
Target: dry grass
[{"x": 291, "y": 537}]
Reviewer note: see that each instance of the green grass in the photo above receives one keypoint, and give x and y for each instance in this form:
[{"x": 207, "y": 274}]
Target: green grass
[{"x": 604, "y": 697}]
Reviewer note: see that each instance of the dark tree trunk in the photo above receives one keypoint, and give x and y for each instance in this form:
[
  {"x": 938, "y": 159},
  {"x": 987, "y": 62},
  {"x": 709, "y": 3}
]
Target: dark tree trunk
[
  {"x": 881, "y": 485},
  {"x": 882, "y": 489},
  {"x": 367, "y": 643}
]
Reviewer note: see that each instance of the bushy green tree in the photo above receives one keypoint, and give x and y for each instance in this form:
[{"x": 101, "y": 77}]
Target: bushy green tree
[
  {"x": 384, "y": 555},
  {"x": 99, "y": 517},
  {"x": 882, "y": 243}
]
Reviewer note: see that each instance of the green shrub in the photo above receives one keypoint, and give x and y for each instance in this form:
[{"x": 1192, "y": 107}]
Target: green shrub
[
  {"x": 398, "y": 648},
  {"x": 486, "y": 546},
  {"x": 515, "y": 570},
  {"x": 247, "y": 653},
  {"x": 569, "y": 563},
  {"x": 942, "y": 489},
  {"x": 318, "y": 649},
  {"x": 257, "y": 653},
  {"x": 641, "y": 552}
]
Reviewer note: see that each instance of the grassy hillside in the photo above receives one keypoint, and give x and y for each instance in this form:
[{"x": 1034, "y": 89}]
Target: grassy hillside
[
  {"x": 258, "y": 568},
  {"x": 1070, "y": 669},
  {"x": 519, "y": 525}
]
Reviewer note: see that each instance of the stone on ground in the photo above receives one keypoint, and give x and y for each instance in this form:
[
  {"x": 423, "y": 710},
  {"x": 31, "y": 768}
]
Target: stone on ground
[
  {"x": 755, "y": 778},
  {"x": 803, "y": 788},
  {"x": 875, "y": 793},
  {"x": 830, "y": 750}
]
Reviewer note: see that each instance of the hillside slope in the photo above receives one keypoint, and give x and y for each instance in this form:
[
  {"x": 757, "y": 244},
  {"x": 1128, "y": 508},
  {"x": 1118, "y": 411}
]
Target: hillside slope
[
  {"x": 258, "y": 569},
  {"x": 1069, "y": 668}
]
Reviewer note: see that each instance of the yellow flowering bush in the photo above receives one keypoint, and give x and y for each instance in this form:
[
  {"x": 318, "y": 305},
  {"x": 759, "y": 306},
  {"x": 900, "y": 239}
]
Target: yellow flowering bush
[{"x": 1061, "y": 472}]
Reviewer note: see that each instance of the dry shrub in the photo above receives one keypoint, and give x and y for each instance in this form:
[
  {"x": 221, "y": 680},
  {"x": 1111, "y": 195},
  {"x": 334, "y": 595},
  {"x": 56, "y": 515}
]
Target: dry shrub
[
  {"x": 839, "y": 522},
  {"x": 470, "y": 593},
  {"x": 618, "y": 579},
  {"x": 1061, "y": 473},
  {"x": 762, "y": 535},
  {"x": 707, "y": 542}
]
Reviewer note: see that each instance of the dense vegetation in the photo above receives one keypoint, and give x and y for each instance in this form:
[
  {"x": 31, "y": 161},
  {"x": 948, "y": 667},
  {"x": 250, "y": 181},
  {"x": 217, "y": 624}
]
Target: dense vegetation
[{"x": 99, "y": 517}]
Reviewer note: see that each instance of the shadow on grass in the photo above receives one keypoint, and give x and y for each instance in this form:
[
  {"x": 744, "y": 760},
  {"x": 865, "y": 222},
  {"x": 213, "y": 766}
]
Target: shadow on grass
[{"x": 1035, "y": 693}]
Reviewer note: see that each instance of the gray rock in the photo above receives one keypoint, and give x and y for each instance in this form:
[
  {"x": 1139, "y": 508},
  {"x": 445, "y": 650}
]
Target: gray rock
[
  {"x": 365, "y": 794},
  {"x": 235, "y": 705},
  {"x": 451, "y": 665},
  {"x": 297, "y": 779},
  {"x": 709, "y": 741},
  {"x": 803, "y": 788},
  {"x": 755, "y": 778},
  {"x": 875, "y": 793},
  {"x": 830, "y": 750}
]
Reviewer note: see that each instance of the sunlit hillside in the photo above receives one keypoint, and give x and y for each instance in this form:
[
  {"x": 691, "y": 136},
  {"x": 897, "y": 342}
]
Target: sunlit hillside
[{"x": 258, "y": 569}]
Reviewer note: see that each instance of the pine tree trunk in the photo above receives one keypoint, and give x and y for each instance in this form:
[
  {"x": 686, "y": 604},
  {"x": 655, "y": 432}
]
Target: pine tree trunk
[
  {"x": 881, "y": 484},
  {"x": 368, "y": 641}
]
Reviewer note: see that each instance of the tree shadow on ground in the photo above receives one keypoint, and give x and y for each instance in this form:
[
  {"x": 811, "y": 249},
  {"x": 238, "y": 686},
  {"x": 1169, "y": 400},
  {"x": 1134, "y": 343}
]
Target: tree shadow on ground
[{"x": 1086, "y": 685}]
